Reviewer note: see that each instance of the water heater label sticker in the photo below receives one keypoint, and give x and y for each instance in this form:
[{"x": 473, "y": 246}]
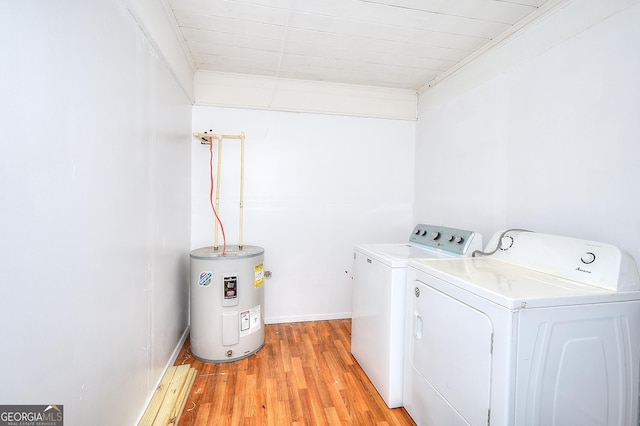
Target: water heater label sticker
[
  {"x": 245, "y": 321},
  {"x": 259, "y": 275},
  {"x": 205, "y": 278},
  {"x": 250, "y": 321}
]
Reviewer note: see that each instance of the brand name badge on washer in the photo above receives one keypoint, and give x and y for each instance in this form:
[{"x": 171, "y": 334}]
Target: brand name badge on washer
[{"x": 205, "y": 278}]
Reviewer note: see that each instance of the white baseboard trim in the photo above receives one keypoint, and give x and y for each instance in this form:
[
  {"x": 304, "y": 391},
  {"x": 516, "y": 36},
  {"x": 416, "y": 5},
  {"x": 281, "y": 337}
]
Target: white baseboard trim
[
  {"x": 172, "y": 360},
  {"x": 306, "y": 318},
  {"x": 178, "y": 348}
]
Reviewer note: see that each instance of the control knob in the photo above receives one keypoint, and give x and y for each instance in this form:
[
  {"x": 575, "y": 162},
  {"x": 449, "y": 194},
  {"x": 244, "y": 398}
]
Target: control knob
[
  {"x": 588, "y": 258},
  {"x": 435, "y": 235},
  {"x": 506, "y": 242},
  {"x": 458, "y": 239}
]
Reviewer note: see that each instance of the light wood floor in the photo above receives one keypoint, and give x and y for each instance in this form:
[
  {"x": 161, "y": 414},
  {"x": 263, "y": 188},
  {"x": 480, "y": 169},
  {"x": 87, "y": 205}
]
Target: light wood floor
[{"x": 304, "y": 375}]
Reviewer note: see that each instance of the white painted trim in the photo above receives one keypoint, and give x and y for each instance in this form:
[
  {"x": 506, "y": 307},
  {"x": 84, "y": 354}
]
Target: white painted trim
[
  {"x": 169, "y": 364},
  {"x": 161, "y": 29},
  {"x": 307, "y": 318},
  {"x": 178, "y": 348},
  {"x": 543, "y": 11},
  {"x": 257, "y": 92}
]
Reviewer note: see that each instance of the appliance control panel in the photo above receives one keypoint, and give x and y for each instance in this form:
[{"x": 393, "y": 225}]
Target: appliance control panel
[
  {"x": 230, "y": 290},
  {"x": 589, "y": 262},
  {"x": 455, "y": 241}
]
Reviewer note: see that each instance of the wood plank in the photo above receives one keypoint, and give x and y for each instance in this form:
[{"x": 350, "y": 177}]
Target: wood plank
[
  {"x": 166, "y": 412},
  {"x": 184, "y": 393},
  {"x": 200, "y": 416},
  {"x": 156, "y": 400},
  {"x": 298, "y": 373},
  {"x": 170, "y": 397}
]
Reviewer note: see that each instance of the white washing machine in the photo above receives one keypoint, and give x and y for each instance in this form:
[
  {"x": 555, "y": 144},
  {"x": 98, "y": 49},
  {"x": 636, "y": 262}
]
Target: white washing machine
[
  {"x": 378, "y": 303},
  {"x": 544, "y": 331}
]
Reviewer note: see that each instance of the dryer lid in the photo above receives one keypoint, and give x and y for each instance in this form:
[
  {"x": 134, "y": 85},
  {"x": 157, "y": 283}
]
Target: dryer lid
[
  {"x": 511, "y": 286},
  {"x": 589, "y": 262}
]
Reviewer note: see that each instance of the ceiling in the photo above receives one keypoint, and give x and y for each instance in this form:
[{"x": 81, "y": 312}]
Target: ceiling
[{"x": 403, "y": 44}]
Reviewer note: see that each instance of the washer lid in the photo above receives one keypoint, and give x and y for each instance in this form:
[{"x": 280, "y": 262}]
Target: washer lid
[
  {"x": 397, "y": 255},
  {"x": 511, "y": 286}
]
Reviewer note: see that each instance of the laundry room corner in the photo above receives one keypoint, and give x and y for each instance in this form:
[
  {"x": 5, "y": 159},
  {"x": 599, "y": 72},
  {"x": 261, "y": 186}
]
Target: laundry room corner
[
  {"x": 542, "y": 131},
  {"x": 315, "y": 184}
]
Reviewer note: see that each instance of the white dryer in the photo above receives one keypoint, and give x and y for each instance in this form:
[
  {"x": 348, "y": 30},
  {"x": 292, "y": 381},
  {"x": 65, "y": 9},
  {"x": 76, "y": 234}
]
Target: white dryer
[
  {"x": 543, "y": 331},
  {"x": 378, "y": 300}
]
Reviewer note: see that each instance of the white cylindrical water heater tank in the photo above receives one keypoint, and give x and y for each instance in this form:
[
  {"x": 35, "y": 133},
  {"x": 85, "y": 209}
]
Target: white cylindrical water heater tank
[{"x": 227, "y": 303}]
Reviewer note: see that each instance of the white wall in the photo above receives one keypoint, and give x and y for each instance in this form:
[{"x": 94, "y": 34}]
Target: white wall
[
  {"x": 314, "y": 186},
  {"x": 95, "y": 214},
  {"x": 461, "y": 159},
  {"x": 550, "y": 142}
]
